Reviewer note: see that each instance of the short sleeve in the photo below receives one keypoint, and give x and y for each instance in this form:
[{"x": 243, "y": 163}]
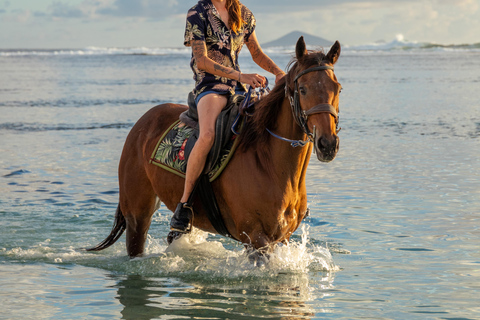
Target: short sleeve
[
  {"x": 195, "y": 28},
  {"x": 250, "y": 23}
]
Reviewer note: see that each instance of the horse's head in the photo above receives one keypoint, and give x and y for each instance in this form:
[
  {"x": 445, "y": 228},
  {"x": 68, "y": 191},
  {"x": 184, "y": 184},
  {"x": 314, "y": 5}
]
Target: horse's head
[{"x": 314, "y": 90}]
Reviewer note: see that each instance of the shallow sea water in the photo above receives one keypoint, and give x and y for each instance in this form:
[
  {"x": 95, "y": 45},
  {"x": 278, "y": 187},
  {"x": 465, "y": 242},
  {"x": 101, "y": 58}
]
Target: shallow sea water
[{"x": 394, "y": 226}]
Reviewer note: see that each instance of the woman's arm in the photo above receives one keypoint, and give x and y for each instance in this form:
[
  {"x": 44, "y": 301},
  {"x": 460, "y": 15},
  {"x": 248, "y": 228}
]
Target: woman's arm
[
  {"x": 261, "y": 59},
  {"x": 199, "y": 49}
]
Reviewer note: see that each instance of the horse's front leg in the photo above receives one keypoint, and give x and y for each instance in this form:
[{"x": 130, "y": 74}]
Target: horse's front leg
[
  {"x": 258, "y": 247},
  {"x": 257, "y": 257}
]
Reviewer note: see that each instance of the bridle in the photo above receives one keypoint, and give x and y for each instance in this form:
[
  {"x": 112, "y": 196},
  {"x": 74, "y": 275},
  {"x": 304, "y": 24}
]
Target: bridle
[{"x": 300, "y": 115}]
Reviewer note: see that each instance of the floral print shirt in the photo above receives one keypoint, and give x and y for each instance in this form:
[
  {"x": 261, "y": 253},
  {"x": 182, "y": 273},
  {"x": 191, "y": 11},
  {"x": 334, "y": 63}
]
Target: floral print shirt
[{"x": 223, "y": 45}]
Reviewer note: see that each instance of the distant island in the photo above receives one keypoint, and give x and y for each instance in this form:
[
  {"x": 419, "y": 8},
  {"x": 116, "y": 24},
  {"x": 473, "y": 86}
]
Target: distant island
[{"x": 291, "y": 39}]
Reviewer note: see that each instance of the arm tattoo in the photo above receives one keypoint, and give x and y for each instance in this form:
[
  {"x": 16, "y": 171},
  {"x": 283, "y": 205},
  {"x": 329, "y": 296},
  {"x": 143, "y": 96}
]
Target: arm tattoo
[
  {"x": 261, "y": 59},
  {"x": 198, "y": 49},
  {"x": 218, "y": 67}
]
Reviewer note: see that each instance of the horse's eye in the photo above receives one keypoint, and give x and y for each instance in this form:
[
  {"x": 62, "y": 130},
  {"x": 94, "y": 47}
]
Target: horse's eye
[{"x": 303, "y": 91}]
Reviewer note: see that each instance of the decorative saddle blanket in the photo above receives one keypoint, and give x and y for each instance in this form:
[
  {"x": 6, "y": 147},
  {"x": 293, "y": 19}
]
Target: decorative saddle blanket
[
  {"x": 175, "y": 145},
  {"x": 173, "y": 148}
]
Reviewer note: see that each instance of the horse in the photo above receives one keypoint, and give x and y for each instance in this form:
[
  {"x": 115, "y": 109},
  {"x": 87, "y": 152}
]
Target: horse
[{"x": 261, "y": 193}]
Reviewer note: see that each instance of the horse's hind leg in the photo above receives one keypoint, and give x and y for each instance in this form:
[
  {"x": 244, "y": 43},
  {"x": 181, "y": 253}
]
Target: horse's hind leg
[
  {"x": 138, "y": 223},
  {"x": 138, "y": 202}
]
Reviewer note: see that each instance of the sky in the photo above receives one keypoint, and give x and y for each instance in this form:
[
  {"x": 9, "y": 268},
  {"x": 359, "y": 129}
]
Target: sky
[{"x": 161, "y": 23}]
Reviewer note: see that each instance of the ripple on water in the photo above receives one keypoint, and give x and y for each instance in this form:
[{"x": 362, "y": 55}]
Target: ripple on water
[{"x": 16, "y": 173}]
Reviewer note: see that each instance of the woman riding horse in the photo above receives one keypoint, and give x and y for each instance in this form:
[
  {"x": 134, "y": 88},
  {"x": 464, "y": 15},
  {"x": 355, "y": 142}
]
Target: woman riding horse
[
  {"x": 261, "y": 194},
  {"x": 216, "y": 30}
]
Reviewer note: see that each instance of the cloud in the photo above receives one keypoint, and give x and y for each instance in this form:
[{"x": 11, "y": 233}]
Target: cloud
[
  {"x": 288, "y": 6},
  {"x": 360, "y": 22},
  {"x": 4, "y": 6},
  {"x": 136, "y": 22},
  {"x": 116, "y": 8},
  {"x": 62, "y": 10},
  {"x": 157, "y": 9},
  {"x": 145, "y": 8}
]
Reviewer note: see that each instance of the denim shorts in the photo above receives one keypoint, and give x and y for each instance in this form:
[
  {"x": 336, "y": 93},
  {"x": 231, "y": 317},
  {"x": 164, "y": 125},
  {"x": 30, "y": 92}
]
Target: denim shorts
[{"x": 238, "y": 90}]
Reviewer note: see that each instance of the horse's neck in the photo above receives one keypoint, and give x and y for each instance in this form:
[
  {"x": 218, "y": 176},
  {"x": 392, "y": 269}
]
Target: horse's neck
[{"x": 289, "y": 163}]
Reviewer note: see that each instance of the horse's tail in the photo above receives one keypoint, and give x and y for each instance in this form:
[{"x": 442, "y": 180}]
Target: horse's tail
[{"x": 119, "y": 226}]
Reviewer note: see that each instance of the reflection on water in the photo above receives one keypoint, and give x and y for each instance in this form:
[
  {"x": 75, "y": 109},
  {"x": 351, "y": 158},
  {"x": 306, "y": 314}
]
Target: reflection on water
[
  {"x": 261, "y": 293},
  {"x": 286, "y": 297}
]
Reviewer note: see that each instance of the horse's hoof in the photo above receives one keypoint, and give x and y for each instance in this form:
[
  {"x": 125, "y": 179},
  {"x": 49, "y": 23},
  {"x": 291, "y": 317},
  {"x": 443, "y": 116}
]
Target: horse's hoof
[
  {"x": 258, "y": 259},
  {"x": 173, "y": 235}
]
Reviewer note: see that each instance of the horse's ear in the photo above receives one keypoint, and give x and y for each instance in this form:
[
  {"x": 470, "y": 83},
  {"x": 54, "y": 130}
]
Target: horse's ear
[
  {"x": 334, "y": 53},
  {"x": 301, "y": 48}
]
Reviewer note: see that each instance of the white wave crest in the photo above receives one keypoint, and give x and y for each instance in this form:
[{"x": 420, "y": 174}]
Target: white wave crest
[
  {"x": 91, "y": 51},
  {"x": 396, "y": 45}
]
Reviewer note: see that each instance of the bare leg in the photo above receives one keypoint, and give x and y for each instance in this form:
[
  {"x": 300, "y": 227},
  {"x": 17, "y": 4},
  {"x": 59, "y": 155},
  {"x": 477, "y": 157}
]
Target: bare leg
[{"x": 209, "y": 107}]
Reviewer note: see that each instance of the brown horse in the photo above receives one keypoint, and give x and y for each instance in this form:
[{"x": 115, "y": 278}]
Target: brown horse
[{"x": 261, "y": 194}]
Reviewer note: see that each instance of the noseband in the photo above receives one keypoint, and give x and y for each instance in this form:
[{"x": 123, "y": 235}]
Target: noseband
[{"x": 300, "y": 115}]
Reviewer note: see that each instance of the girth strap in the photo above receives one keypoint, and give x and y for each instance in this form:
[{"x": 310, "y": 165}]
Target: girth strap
[{"x": 204, "y": 190}]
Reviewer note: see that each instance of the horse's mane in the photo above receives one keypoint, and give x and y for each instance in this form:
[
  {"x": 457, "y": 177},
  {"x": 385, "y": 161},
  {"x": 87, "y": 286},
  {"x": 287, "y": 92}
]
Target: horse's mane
[{"x": 268, "y": 108}]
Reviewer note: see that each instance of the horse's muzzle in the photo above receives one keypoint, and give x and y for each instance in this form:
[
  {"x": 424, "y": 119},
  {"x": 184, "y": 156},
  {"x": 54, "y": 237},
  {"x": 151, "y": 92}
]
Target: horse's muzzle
[{"x": 326, "y": 147}]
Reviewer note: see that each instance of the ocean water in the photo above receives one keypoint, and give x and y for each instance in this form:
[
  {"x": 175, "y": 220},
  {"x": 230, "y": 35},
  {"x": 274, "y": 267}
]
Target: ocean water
[{"x": 394, "y": 226}]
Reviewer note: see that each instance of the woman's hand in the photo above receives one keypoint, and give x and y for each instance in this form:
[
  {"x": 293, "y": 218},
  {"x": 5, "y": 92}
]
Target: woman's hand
[{"x": 253, "y": 79}]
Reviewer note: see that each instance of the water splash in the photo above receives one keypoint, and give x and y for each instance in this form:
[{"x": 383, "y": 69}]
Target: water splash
[{"x": 197, "y": 254}]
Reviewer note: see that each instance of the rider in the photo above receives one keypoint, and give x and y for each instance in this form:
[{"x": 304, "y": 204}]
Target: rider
[{"x": 216, "y": 30}]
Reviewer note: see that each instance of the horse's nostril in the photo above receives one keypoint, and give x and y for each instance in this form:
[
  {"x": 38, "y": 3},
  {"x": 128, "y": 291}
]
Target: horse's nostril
[
  {"x": 328, "y": 143},
  {"x": 324, "y": 142}
]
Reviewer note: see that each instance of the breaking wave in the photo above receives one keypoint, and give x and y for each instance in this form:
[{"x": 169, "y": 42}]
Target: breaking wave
[
  {"x": 91, "y": 51},
  {"x": 398, "y": 44},
  {"x": 401, "y": 44}
]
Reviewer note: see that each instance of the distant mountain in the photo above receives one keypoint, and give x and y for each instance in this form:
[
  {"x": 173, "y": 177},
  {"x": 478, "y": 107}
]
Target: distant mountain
[{"x": 291, "y": 39}]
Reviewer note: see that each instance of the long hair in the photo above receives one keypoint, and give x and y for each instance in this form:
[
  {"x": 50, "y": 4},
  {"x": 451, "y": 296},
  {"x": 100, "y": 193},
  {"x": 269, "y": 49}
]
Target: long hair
[{"x": 235, "y": 20}]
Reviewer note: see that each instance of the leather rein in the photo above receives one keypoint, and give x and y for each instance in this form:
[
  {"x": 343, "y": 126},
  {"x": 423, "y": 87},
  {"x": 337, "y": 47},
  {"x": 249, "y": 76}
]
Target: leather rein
[{"x": 300, "y": 115}]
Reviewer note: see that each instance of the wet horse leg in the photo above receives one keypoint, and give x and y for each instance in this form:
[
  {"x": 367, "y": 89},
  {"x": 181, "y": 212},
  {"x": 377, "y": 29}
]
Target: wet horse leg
[
  {"x": 138, "y": 223},
  {"x": 138, "y": 202},
  {"x": 258, "y": 247}
]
